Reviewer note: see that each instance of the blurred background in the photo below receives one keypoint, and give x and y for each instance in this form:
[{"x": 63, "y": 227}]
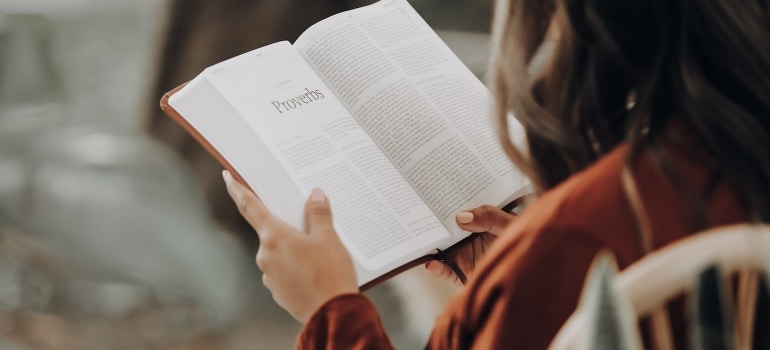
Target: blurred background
[{"x": 115, "y": 229}]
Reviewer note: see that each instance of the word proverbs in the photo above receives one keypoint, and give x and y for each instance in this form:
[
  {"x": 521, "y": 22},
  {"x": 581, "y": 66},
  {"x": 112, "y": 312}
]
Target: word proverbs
[{"x": 294, "y": 102}]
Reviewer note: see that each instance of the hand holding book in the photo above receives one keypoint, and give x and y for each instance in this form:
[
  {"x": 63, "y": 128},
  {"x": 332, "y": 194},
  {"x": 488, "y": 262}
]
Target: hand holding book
[
  {"x": 302, "y": 269},
  {"x": 488, "y": 222}
]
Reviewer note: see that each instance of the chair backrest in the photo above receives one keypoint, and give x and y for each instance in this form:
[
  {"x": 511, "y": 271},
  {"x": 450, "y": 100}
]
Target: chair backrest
[{"x": 673, "y": 270}]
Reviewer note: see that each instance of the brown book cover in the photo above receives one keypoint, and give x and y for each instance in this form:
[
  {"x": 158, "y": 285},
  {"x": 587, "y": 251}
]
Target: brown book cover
[{"x": 176, "y": 117}]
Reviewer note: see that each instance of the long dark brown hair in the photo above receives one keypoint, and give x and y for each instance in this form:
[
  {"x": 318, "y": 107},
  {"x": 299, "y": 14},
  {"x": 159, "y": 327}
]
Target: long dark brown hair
[{"x": 622, "y": 70}]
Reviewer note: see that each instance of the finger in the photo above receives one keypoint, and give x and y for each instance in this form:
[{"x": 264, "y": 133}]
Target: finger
[
  {"x": 439, "y": 270},
  {"x": 435, "y": 268},
  {"x": 247, "y": 202},
  {"x": 318, "y": 213},
  {"x": 267, "y": 281},
  {"x": 486, "y": 218},
  {"x": 261, "y": 259}
]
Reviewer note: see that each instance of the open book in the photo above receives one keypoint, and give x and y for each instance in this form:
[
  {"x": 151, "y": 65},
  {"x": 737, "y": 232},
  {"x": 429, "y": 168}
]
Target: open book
[{"x": 372, "y": 107}]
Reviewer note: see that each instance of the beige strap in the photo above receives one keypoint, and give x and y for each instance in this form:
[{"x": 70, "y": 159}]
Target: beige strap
[
  {"x": 748, "y": 282},
  {"x": 661, "y": 329},
  {"x": 660, "y": 324},
  {"x": 637, "y": 207}
]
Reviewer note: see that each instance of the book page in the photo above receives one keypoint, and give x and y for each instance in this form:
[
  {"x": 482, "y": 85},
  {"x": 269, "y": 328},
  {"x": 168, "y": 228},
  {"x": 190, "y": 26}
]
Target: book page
[
  {"x": 421, "y": 105},
  {"x": 380, "y": 219}
]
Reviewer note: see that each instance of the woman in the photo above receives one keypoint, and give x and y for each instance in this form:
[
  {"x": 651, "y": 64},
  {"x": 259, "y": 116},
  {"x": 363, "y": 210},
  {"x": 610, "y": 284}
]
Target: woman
[{"x": 651, "y": 121}]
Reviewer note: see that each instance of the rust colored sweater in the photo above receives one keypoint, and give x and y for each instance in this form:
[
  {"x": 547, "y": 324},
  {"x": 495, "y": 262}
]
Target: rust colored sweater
[{"x": 529, "y": 282}]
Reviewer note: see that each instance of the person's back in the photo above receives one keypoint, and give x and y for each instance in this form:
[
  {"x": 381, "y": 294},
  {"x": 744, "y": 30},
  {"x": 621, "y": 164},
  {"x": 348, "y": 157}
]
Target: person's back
[
  {"x": 672, "y": 92},
  {"x": 675, "y": 91}
]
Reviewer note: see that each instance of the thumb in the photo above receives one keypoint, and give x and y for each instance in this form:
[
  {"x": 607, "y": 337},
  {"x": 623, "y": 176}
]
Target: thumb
[
  {"x": 486, "y": 218},
  {"x": 318, "y": 213}
]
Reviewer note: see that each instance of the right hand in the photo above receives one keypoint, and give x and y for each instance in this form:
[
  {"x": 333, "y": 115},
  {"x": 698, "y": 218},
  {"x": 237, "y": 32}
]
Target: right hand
[{"x": 487, "y": 221}]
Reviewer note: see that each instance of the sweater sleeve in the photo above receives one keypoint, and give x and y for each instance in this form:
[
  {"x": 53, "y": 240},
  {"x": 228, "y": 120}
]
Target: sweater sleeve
[
  {"x": 520, "y": 298},
  {"x": 348, "y": 321}
]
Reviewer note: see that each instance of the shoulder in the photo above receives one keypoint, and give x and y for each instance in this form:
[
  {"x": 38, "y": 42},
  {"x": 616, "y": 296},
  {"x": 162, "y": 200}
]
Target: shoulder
[{"x": 590, "y": 204}]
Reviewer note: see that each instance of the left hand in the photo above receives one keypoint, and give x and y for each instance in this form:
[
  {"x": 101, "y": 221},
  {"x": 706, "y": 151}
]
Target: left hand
[
  {"x": 488, "y": 222},
  {"x": 302, "y": 269}
]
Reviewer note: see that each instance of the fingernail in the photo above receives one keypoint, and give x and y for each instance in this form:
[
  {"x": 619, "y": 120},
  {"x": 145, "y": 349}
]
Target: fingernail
[
  {"x": 465, "y": 217},
  {"x": 317, "y": 195},
  {"x": 227, "y": 176},
  {"x": 235, "y": 192}
]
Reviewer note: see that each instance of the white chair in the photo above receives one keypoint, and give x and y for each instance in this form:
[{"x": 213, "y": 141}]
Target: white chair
[{"x": 673, "y": 269}]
